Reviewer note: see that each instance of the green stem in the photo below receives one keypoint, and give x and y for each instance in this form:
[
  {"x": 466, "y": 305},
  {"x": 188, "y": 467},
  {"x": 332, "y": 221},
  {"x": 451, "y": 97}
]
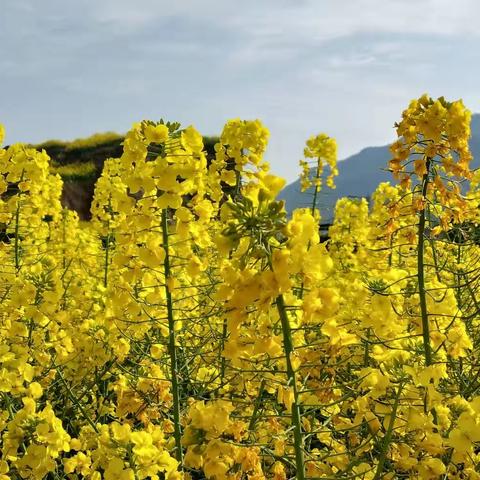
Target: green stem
[
  {"x": 17, "y": 240},
  {"x": 64, "y": 260},
  {"x": 388, "y": 436},
  {"x": 76, "y": 402},
  {"x": 313, "y": 208},
  {"x": 316, "y": 190},
  {"x": 107, "y": 260},
  {"x": 222, "y": 346},
  {"x": 64, "y": 242},
  {"x": 421, "y": 272},
  {"x": 422, "y": 292},
  {"x": 366, "y": 351},
  {"x": 17, "y": 231},
  {"x": 292, "y": 382},
  {"x": 256, "y": 408},
  {"x": 172, "y": 349}
]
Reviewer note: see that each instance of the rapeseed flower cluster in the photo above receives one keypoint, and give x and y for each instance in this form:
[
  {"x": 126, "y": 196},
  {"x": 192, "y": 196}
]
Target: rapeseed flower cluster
[{"x": 194, "y": 330}]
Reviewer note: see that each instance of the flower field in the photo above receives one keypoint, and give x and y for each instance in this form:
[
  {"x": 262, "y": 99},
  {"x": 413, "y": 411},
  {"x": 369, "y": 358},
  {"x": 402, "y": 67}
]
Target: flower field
[{"x": 193, "y": 330}]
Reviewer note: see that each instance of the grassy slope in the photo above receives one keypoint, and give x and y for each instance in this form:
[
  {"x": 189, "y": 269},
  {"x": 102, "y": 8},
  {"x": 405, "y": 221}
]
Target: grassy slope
[{"x": 80, "y": 163}]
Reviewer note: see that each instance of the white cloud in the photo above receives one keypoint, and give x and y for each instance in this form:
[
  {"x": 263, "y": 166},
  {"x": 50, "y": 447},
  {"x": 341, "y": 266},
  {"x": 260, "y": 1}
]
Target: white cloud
[
  {"x": 324, "y": 20},
  {"x": 271, "y": 22},
  {"x": 315, "y": 23}
]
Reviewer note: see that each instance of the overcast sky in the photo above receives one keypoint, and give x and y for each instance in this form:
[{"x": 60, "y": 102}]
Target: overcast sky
[{"x": 69, "y": 68}]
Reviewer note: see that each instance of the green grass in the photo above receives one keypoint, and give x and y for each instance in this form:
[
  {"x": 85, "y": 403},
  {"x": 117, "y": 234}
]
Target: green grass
[
  {"x": 75, "y": 171},
  {"x": 95, "y": 140}
]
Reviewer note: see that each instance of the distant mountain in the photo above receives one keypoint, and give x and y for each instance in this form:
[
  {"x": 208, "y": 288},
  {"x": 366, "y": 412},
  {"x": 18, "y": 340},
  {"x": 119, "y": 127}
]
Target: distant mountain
[{"x": 359, "y": 176}]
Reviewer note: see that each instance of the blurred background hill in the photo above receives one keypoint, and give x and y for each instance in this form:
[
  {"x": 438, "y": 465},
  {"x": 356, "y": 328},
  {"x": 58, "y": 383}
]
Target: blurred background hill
[
  {"x": 80, "y": 163},
  {"x": 359, "y": 176}
]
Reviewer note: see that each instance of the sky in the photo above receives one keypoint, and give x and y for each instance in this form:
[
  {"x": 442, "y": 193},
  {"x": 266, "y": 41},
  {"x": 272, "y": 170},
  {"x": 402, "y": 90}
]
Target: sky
[{"x": 347, "y": 68}]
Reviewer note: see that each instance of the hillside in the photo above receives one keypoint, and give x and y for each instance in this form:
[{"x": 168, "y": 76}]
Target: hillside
[
  {"x": 80, "y": 163},
  {"x": 359, "y": 175}
]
